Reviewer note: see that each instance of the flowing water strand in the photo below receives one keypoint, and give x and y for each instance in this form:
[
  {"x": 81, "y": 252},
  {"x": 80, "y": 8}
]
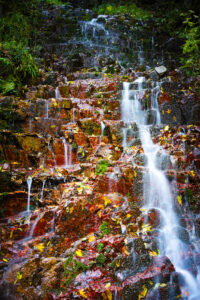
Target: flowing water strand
[
  {"x": 102, "y": 130},
  {"x": 29, "y": 183},
  {"x": 157, "y": 191},
  {"x": 47, "y": 109},
  {"x": 34, "y": 225},
  {"x": 67, "y": 153},
  {"x": 57, "y": 93},
  {"x": 42, "y": 191}
]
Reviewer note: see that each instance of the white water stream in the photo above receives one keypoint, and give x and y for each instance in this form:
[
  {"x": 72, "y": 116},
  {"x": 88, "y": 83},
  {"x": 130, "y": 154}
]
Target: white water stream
[
  {"x": 157, "y": 191},
  {"x": 29, "y": 183},
  {"x": 67, "y": 153}
]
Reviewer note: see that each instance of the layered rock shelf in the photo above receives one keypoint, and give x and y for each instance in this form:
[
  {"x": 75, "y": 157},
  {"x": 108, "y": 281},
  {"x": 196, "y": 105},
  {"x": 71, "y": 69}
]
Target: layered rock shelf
[{"x": 73, "y": 224}]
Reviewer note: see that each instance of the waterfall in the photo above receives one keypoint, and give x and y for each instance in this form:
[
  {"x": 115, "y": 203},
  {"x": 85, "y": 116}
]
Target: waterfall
[
  {"x": 29, "y": 183},
  {"x": 47, "y": 109},
  {"x": 42, "y": 191},
  {"x": 57, "y": 93},
  {"x": 157, "y": 191},
  {"x": 34, "y": 225},
  {"x": 102, "y": 130},
  {"x": 67, "y": 153}
]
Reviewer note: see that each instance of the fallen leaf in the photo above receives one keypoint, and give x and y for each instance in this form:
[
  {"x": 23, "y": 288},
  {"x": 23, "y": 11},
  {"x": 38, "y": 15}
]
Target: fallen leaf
[
  {"x": 83, "y": 294},
  {"x": 179, "y": 200},
  {"x": 79, "y": 253},
  {"x": 125, "y": 251},
  {"x": 166, "y": 128},
  {"x": 106, "y": 201},
  {"x": 91, "y": 238},
  {"x": 40, "y": 247},
  {"x": 153, "y": 253},
  {"x": 143, "y": 293},
  {"x": 107, "y": 285}
]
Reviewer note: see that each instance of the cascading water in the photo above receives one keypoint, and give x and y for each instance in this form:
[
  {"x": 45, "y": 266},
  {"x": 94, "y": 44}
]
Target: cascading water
[
  {"x": 47, "y": 109},
  {"x": 42, "y": 191},
  {"x": 29, "y": 183},
  {"x": 102, "y": 130},
  {"x": 157, "y": 192},
  {"x": 57, "y": 93},
  {"x": 67, "y": 153}
]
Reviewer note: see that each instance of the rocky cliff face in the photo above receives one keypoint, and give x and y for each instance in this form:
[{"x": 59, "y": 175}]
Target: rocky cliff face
[{"x": 62, "y": 153}]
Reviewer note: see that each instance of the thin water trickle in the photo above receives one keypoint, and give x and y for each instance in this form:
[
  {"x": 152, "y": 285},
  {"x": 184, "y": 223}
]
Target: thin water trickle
[
  {"x": 57, "y": 93},
  {"x": 47, "y": 109},
  {"x": 52, "y": 152},
  {"x": 29, "y": 183},
  {"x": 157, "y": 191},
  {"x": 67, "y": 153},
  {"x": 34, "y": 225},
  {"x": 42, "y": 191},
  {"x": 102, "y": 130}
]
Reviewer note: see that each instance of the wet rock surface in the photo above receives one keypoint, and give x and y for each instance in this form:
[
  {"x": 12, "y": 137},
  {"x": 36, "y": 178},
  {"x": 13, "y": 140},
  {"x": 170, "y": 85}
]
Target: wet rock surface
[{"x": 87, "y": 234}]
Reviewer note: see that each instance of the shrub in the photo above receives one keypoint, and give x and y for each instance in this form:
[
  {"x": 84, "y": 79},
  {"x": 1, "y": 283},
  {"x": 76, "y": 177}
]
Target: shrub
[
  {"x": 130, "y": 9},
  {"x": 191, "y": 47},
  {"x": 17, "y": 66}
]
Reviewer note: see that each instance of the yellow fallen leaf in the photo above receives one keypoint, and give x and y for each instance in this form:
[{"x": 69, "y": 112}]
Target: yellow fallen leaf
[
  {"x": 163, "y": 112},
  {"x": 143, "y": 293},
  {"x": 107, "y": 285},
  {"x": 162, "y": 284},
  {"x": 40, "y": 247},
  {"x": 109, "y": 295},
  {"x": 71, "y": 210},
  {"x": 169, "y": 111},
  {"x": 146, "y": 227},
  {"x": 179, "y": 200},
  {"x": 174, "y": 118},
  {"x": 192, "y": 173},
  {"x": 80, "y": 189},
  {"x": 153, "y": 253},
  {"x": 166, "y": 128},
  {"x": 79, "y": 252},
  {"x": 128, "y": 216},
  {"x": 125, "y": 251},
  {"x": 135, "y": 174},
  {"x": 4, "y": 259},
  {"x": 91, "y": 238},
  {"x": 83, "y": 294},
  {"x": 106, "y": 201}
]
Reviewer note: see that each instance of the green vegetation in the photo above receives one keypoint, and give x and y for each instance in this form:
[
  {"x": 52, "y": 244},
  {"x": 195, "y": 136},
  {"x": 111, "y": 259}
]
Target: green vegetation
[
  {"x": 17, "y": 66},
  {"x": 101, "y": 167},
  {"x": 131, "y": 9},
  {"x": 104, "y": 228},
  {"x": 101, "y": 259},
  {"x": 19, "y": 34},
  {"x": 73, "y": 267},
  {"x": 191, "y": 47},
  {"x": 100, "y": 247}
]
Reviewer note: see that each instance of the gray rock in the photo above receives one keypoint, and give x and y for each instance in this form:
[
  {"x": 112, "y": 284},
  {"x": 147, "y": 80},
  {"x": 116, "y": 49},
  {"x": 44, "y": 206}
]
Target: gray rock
[
  {"x": 154, "y": 76},
  {"x": 161, "y": 70}
]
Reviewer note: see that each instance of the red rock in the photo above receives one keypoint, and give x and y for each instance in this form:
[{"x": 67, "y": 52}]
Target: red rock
[
  {"x": 164, "y": 97},
  {"x": 80, "y": 138}
]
